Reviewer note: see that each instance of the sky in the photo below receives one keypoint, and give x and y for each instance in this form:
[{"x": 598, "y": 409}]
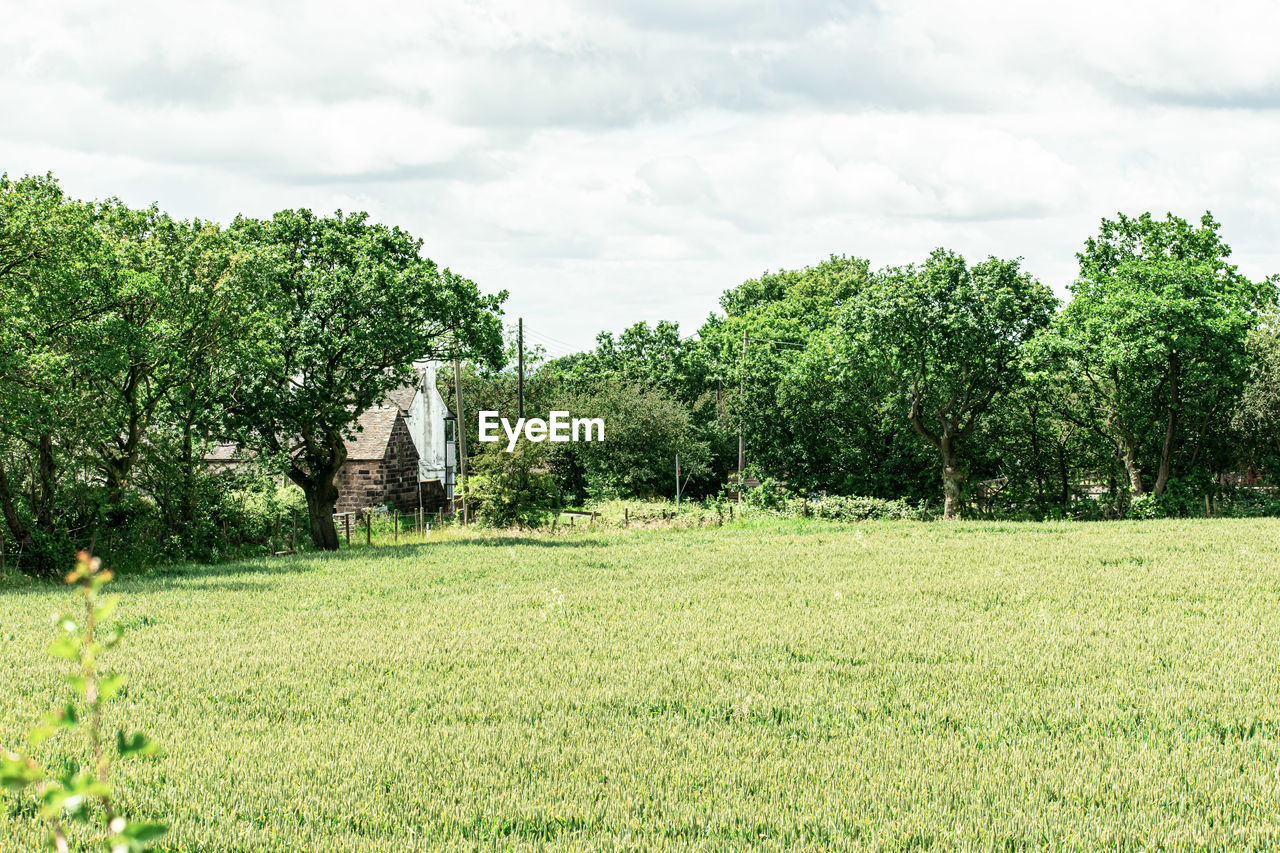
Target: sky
[{"x": 611, "y": 161}]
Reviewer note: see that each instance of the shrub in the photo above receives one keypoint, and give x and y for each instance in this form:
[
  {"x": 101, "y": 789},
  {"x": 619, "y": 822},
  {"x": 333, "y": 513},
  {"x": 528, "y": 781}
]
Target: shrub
[
  {"x": 82, "y": 791},
  {"x": 513, "y": 489}
]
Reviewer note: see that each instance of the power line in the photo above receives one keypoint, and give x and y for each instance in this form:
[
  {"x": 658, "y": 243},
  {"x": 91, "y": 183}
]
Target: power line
[{"x": 552, "y": 339}]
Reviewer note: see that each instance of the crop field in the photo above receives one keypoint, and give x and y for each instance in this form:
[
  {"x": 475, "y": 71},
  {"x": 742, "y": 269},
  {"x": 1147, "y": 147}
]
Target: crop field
[{"x": 775, "y": 686}]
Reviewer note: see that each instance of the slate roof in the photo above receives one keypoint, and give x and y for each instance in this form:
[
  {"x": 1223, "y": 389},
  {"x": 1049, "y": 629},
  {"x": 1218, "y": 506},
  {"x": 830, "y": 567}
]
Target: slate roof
[
  {"x": 374, "y": 435},
  {"x": 402, "y": 397},
  {"x": 376, "y": 426}
]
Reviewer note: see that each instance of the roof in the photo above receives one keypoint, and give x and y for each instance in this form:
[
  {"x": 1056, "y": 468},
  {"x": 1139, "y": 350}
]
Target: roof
[
  {"x": 402, "y": 397},
  {"x": 375, "y": 427},
  {"x": 224, "y": 453}
]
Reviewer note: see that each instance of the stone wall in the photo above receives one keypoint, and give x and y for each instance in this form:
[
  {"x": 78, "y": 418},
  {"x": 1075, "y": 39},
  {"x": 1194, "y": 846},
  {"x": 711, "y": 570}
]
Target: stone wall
[{"x": 393, "y": 479}]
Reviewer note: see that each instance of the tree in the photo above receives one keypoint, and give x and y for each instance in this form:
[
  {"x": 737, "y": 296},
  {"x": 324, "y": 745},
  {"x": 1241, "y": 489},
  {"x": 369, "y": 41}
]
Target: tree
[
  {"x": 656, "y": 357},
  {"x": 1258, "y": 413},
  {"x": 52, "y": 264},
  {"x": 348, "y": 306},
  {"x": 1152, "y": 341},
  {"x": 644, "y": 430},
  {"x": 780, "y": 314},
  {"x": 947, "y": 336},
  {"x": 842, "y": 431},
  {"x": 513, "y": 489},
  {"x": 175, "y": 301}
]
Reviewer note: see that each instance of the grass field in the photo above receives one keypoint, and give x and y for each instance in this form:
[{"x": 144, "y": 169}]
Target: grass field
[{"x": 788, "y": 686}]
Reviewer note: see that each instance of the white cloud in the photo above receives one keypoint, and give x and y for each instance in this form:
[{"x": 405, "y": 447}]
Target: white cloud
[{"x": 630, "y": 159}]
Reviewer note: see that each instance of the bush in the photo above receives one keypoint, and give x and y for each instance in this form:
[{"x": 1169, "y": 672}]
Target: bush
[
  {"x": 513, "y": 489},
  {"x": 773, "y": 496},
  {"x": 862, "y": 509}
]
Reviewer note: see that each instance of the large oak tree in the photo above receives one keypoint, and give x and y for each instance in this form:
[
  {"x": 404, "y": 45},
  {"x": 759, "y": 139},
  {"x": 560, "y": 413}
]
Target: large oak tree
[
  {"x": 1152, "y": 343},
  {"x": 349, "y": 305},
  {"x": 947, "y": 337}
]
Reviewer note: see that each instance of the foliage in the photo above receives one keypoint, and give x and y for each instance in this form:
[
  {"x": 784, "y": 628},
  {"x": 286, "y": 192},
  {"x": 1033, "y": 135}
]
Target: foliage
[
  {"x": 1150, "y": 349},
  {"x": 656, "y": 358},
  {"x": 949, "y": 337},
  {"x": 348, "y": 306},
  {"x": 82, "y": 791},
  {"x": 513, "y": 489},
  {"x": 644, "y": 430},
  {"x": 777, "y": 498},
  {"x": 1258, "y": 413}
]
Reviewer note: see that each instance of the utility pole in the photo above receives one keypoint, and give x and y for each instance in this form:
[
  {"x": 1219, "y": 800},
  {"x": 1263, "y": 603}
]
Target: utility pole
[
  {"x": 461, "y": 435},
  {"x": 742, "y": 437},
  {"x": 677, "y": 481},
  {"x": 520, "y": 386}
]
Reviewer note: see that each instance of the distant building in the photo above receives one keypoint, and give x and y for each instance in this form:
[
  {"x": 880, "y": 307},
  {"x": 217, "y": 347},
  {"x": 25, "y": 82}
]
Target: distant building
[
  {"x": 431, "y": 428},
  {"x": 401, "y": 454},
  {"x": 381, "y": 466}
]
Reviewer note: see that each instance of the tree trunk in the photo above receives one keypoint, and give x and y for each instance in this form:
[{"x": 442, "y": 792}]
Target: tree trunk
[
  {"x": 44, "y": 509},
  {"x": 1037, "y": 469},
  {"x": 1063, "y": 478},
  {"x": 321, "y": 502},
  {"x": 1171, "y": 426},
  {"x": 951, "y": 480},
  {"x": 322, "y": 498},
  {"x": 188, "y": 498},
  {"x": 11, "y": 517},
  {"x": 1134, "y": 469}
]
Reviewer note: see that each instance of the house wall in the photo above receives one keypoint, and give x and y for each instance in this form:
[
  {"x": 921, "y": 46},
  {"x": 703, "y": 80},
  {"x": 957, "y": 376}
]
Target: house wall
[
  {"x": 426, "y": 417},
  {"x": 365, "y": 483}
]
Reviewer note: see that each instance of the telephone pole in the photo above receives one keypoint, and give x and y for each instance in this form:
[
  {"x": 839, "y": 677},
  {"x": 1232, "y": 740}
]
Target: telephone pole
[
  {"x": 520, "y": 386},
  {"x": 677, "y": 480},
  {"x": 461, "y": 435}
]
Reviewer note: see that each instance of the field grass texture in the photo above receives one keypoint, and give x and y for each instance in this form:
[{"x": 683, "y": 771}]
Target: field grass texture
[{"x": 784, "y": 685}]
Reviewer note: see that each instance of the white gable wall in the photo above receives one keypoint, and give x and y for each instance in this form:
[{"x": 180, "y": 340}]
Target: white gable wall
[{"x": 426, "y": 421}]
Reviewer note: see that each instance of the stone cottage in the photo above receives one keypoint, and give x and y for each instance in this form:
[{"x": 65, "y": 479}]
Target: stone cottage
[
  {"x": 381, "y": 466},
  {"x": 402, "y": 453}
]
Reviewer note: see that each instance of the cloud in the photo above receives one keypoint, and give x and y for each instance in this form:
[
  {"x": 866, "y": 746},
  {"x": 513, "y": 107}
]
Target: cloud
[{"x": 615, "y": 160}]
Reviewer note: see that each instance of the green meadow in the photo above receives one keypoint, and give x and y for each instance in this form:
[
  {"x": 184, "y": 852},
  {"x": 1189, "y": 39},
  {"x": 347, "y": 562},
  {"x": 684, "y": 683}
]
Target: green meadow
[{"x": 781, "y": 685}]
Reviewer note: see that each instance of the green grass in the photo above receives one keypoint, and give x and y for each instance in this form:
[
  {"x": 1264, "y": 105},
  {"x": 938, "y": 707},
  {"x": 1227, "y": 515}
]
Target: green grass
[{"x": 784, "y": 686}]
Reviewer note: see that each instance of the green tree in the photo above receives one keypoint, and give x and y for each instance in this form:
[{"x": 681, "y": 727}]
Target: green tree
[
  {"x": 843, "y": 432},
  {"x": 349, "y": 306},
  {"x": 53, "y": 262},
  {"x": 644, "y": 430},
  {"x": 947, "y": 336},
  {"x": 755, "y": 358},
  {"x": 1258, "y": 413},
  {"x": 652, "y": 356},
  {"x": 175, "y": 302},
  {"x": 516, "y": 488},
  {"x": 1152, "y": 341}
]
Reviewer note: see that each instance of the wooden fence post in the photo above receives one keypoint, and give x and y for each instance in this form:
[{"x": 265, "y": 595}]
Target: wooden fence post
[
  {"x": 346, "y": 522},
  {"x": 368, "y": 527}
]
